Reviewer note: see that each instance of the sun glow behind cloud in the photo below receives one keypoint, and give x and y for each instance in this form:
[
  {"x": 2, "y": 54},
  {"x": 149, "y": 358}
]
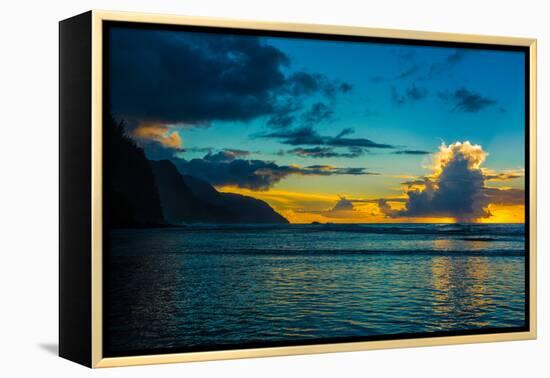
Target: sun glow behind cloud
[
  {"x": 455, "y": 189},
  {"x": 337, "y": 140}
]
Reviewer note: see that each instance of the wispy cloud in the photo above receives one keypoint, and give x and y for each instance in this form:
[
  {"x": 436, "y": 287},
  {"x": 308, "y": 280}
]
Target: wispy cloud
[
  {"x": 465, "y": 100},
  {"x": 411, "y": 94},
  {"x": 307, "y": 136},
  {"x": 411, "y": 152},
  {"x": 325, "y": 152},
  {"x": 228, "y": 168},
  {"x": 444, "y": 66}
]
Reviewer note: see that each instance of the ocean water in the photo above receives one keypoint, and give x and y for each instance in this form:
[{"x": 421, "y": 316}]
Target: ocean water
[{"x": 211, "y": 287}]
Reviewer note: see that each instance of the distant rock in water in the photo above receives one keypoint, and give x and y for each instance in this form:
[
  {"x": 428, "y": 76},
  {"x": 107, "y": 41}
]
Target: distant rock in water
[
  {"x": 188, "y": 199},
  {"x": 132, "y": 199}
]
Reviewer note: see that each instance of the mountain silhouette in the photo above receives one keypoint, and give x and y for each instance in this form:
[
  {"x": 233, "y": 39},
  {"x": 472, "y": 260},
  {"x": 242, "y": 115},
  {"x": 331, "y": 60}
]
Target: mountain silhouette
[
  {"x": 243, "y": 209},
  {"x": 132, "y": 198},
  {"x": 144, "y": 193},
  {"x": 187, "y": 199}
]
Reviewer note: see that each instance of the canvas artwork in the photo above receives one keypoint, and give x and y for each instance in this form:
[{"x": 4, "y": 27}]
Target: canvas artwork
[{"x": 274, "y": 189}]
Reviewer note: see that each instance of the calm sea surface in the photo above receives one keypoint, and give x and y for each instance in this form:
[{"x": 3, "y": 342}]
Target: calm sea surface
[{"x": 204, "y": 287}]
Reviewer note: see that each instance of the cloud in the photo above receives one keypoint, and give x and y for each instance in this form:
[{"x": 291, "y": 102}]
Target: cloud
[
  {"x": 412, "y": 93},
  {"x": 397, "y": 98},
  {"x": 343, "y": 204},
  {"x": 419, "y": 184},
  {"x": 326, "y": 152},
  {"x": 307, "y": 136},
  {"x": 284, "y": 112},
  {"x": 416, "y": 93},
  {"x": 194, "y": 79},
  {"x": 411, "y": 152},
  {"x": 446, "y": 65},
  {"x": 226, "y": 155},
  {"x": 344, "y": 132},
  {"x": 282, "y": 120},
  {"x": 503, "y": 176},
  {"x": 405, "y": 54},
  {"x": 385, "y": 208},
  {"x": 345, "y": 87},
  {"x": 377, "y": 79},
  {"x": 408, "y": 72},
  {"x": 318, "y": 112},
  {"x": 159, "y": 133},
  {"x": 466, "y": 101},
  {"x": 512, "y": 196},
  {"x": 236, "y": 152},
  {"x": 421, "y": 72},
  {"x": 342, "y": 209},
  {"x": 225, "y": 168},
  {"x": 456, "y": 189},
  {"x": 329, "y": 170},
  {"x": 198, "y": 149}
]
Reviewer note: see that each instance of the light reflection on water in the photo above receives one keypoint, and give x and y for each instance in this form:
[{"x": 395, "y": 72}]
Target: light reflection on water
[{"x": 182, "y": 288}]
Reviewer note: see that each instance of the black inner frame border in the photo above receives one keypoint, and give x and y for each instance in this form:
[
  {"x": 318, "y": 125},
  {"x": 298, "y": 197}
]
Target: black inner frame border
[{"x": 106, "y": 28}]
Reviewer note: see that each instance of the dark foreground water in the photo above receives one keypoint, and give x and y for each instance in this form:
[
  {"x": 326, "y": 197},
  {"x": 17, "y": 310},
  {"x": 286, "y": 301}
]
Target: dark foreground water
[{"x": 207, "y": 287}]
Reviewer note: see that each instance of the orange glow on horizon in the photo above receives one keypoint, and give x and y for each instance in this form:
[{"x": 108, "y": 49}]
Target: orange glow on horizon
[{"x": 302, "y": 207}]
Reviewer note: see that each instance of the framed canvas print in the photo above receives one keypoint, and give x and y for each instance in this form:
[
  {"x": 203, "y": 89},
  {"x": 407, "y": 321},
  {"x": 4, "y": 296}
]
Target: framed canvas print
[{"x": 236, "y": 189}]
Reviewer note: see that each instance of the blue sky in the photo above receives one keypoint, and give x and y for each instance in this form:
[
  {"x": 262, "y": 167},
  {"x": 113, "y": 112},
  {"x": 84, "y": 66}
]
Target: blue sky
[
  {"x": 383, "y": 109},
  {"x": 416, "y": 124}
]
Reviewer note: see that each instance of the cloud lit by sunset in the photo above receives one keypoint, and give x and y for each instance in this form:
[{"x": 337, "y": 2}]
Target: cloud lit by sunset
[
  {"x": 159, "y": 133},
  {"x": 354, "y": 141}
]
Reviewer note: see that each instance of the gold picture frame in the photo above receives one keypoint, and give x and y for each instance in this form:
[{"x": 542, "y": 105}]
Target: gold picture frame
[{"x": 97, "y": 19}]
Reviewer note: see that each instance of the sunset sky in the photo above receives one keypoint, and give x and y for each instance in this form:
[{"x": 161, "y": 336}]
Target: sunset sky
[{"x": 330, "y": 131}]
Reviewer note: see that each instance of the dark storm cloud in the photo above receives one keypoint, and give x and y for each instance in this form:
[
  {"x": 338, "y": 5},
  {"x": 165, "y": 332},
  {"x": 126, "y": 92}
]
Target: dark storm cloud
[
  {"x": 224, "y": 168},
  {"x": 307, "y": 136},
  {"x": 326, "y": 152},
  {"x": 465, "y": 100},
  {"x": 412, "y": 152},
  {"x": 194, "y": 79}
]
